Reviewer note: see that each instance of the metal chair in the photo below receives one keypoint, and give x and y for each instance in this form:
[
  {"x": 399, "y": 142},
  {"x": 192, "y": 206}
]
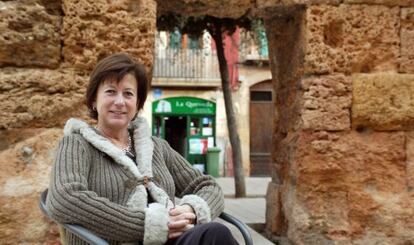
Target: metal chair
[{"x": 92, "y": 238}]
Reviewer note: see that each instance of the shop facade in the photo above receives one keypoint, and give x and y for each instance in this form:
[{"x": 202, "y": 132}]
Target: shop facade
[{"x": 188, "y": 124}]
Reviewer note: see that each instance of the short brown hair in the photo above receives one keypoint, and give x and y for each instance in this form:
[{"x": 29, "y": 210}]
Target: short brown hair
[{"x": 115, "y": 67}]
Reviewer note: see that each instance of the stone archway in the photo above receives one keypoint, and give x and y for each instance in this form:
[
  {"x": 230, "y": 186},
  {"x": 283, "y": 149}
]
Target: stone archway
[{"x": 285, "y": 29}]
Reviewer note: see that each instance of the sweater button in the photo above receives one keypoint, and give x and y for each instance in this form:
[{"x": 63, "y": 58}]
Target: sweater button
[{"x": 130, "y": 183}]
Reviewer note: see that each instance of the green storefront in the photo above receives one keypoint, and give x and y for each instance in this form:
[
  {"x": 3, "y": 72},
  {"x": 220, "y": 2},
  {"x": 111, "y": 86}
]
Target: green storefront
[{"x": 188, "y": 124}]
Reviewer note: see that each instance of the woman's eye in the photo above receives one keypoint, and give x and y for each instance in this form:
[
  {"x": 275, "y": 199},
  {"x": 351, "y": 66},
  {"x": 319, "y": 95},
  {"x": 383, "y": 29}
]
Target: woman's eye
[
  {"x": 110, "y": 91},
  {"x": 129, "y": 94}
]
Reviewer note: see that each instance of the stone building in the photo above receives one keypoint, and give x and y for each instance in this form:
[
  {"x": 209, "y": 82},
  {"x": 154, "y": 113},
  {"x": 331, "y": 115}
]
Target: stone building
[{"x": 342, "y": 72}]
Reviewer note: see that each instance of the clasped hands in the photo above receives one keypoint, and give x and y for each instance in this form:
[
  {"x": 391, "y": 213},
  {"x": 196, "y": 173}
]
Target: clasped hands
[{"x": 182, "y": 218}]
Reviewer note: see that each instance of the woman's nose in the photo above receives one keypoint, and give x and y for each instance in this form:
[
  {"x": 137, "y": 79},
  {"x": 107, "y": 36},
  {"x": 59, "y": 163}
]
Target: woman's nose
[{"x": 119, "y": 100}]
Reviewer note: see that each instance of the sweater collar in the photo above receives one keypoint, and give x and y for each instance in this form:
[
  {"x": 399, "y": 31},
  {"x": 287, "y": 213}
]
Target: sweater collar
[{"x": 143, "y": 145}]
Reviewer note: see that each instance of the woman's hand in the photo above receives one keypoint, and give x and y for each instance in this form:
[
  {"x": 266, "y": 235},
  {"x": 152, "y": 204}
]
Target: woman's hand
[{"x": 182, "y": 218}]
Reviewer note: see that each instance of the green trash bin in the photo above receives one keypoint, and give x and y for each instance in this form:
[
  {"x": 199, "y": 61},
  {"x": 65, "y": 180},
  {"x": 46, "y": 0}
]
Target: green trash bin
[{"x": 213, "y": 161}]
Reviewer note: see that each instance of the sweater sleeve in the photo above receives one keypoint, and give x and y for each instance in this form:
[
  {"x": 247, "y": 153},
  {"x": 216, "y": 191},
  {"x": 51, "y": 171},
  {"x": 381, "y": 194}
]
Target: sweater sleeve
[
  {"x": 70, "y": 201},
  {"x": 200, "y": 191}
]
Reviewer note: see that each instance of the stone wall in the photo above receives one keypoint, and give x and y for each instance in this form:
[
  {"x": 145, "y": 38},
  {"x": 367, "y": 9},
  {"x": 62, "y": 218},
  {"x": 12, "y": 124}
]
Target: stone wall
[
  {"x": 47, "y": 48},
  {"x": 343, "y": 142},
  {"x": 343, "y": 74}
]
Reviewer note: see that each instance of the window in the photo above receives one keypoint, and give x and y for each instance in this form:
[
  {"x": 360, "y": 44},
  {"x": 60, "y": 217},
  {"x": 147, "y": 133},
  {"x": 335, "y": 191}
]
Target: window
[{"x": 260, "y": 95}]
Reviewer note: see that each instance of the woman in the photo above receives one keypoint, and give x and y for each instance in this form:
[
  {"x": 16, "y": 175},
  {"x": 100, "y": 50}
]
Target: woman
[{"x": 118, "y": 181}]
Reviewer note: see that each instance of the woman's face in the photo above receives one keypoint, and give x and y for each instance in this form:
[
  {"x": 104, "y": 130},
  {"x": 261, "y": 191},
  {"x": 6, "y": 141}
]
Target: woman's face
[{"x": 116, "y": 103}]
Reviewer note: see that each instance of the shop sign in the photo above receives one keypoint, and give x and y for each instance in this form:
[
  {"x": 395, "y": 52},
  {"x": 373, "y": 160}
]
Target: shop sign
[{"x": 184, "y": 105}]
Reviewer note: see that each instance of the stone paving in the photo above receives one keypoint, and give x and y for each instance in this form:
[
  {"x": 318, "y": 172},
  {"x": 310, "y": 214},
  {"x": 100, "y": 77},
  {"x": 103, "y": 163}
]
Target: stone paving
[{"x": 251, "y": 210}]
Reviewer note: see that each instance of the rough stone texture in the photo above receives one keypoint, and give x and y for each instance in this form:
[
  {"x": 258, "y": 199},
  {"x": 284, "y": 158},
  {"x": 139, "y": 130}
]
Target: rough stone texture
[
  {"x": 346, "y": 188},
  {"x": 230, "y": 8},
  {"x": 29, "y": 34},
  {"x": 274, "y": 214},
  {"x": 286, "y": 73},
  {"x": 25, "y": 174},
  {"x": 383, "y": 101},
  {"x": 39, "y": 98},
  {"x": 326, "y": 103},
  {"x": 384, "y": 2},
  {"x": 407, "y": 40},
  {"x": 95, "y": 29},
  {"x": 410, "y": 160},
  {"x": 273, "y": 3},
  {"x": 351, "y": 38},
  {"x": 9, "y": 137}
]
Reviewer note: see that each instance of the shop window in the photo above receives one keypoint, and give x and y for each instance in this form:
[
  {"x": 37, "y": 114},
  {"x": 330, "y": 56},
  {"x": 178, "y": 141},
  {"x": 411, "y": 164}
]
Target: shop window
[
  {"x": 207, "y": 129},
  {"x": 195, "y": 126}
]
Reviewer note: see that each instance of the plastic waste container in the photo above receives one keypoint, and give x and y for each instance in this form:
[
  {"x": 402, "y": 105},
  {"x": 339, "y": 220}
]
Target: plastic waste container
[{"x": 213, "y": 161}]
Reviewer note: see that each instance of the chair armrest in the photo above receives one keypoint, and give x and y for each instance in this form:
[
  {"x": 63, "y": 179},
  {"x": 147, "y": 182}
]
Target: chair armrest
[
  {"x": 78, "y": 230},
  {"x": 85, "y": 234},
  {"x": 240, "y": 225},
  {"x": 92, "y": 238}
]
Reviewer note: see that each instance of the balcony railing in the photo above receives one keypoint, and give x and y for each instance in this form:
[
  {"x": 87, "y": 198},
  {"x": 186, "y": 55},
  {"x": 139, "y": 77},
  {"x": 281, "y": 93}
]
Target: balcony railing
[{"x": 186, "y": 67}]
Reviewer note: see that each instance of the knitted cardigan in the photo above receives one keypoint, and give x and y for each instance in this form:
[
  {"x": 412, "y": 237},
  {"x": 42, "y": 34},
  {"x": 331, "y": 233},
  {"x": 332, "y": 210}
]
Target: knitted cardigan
[{"x": 94, "y": 184}]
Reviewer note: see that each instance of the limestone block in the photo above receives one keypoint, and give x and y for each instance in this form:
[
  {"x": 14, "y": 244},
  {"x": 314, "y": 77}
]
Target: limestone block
[
  {"x": 93, "y": 30},
  {"x": 342, "y": 187},
  {"x": 274, "y": 3},
  {"x": 407, "y": 40},
  {"x": 274, "y": 214},
  {"x": 10, "y": 137},
  {"x": 410, "y": 160},
  {"x": 90, "y": 8},
  {"x": 383, "y": 2},
  {"x": 29, "y": 35},
  {"x": 326, "y": 103},
  {"x": 229, "y": 8},
  {"x": 383, "y": 101},
  {"x": 221, "y": 9},
  {"x": 25, "y": 174},
  {"x": 40, "y": 98},
  {"x": 351, "y": 38}
]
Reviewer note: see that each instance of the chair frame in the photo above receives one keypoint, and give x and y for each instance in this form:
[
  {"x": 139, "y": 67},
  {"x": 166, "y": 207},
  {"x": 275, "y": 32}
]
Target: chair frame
[{"x": 94, "y": 239}]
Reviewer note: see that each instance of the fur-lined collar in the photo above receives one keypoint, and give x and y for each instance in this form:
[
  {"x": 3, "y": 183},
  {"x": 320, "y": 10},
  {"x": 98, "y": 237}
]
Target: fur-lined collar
[
  {"x": 143, "y": 145},
  {"x": 142, "y": 171}
]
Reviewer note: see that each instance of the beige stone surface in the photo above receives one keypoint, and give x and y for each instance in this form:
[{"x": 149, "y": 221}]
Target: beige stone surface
[
  {"x": 40, "y": 98},
  {"x": 25, "y": 174},
  {"x": 384, "y": 2},
  {"x": 383, "y": 101},
  {"x": 29, "y": 34},
  {"x": 326, "y": 103},
  {"x": 229, "y": 8},
  {"x": 407, "y": 40},
  {"x": 274, "y": 216},
  {"x": 410, "y": 160},
  {"x": 273, "y": 3},
  {"x": 286, "y": 51},
  {"x": 351, "y": 38},
  {"x": 9, "y": 137},
  {"x": 93, "y": 30},
  {"x": 343, "y": 187}
]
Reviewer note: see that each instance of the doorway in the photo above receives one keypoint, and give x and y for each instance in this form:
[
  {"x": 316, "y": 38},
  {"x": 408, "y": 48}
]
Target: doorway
[
  {"x": 261, "y": 128},
  {"x": 175, "y": 133}
]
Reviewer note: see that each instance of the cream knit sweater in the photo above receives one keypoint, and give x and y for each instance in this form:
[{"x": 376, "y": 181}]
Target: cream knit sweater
[{"x": 95, "y": 185}]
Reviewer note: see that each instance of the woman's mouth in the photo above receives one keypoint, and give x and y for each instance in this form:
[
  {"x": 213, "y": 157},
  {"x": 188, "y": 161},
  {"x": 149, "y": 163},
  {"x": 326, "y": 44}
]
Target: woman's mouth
[{"x": 118, "y": 112}]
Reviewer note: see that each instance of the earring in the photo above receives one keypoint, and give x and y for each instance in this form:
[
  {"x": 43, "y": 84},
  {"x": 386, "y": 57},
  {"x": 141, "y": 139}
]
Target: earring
[{"x": 94, "y": 108}]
